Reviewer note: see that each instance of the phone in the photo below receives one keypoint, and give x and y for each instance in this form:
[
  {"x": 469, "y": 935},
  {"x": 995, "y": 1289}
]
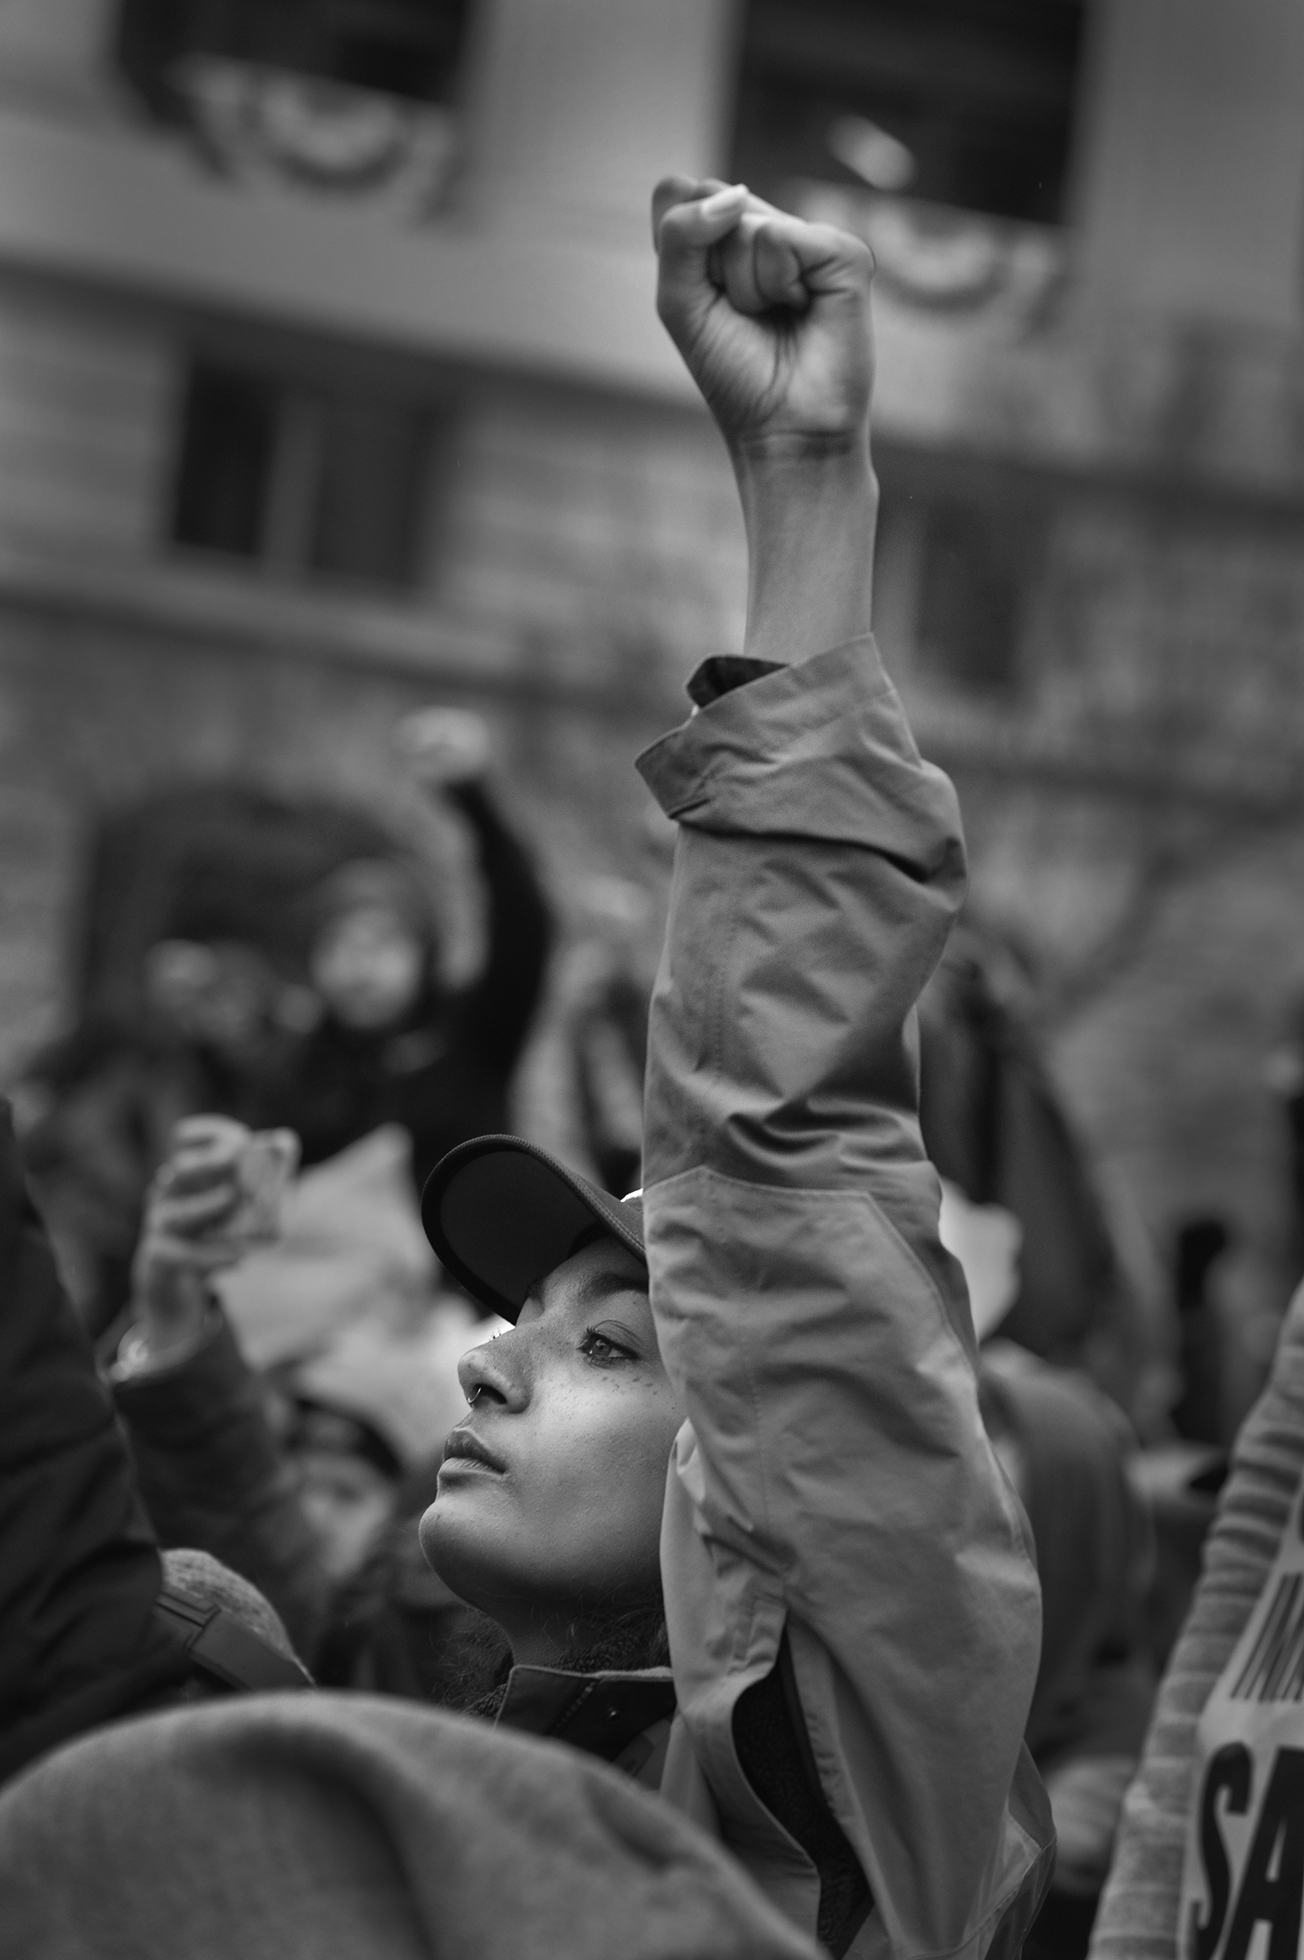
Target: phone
[{"x": 264, "y": 1171}]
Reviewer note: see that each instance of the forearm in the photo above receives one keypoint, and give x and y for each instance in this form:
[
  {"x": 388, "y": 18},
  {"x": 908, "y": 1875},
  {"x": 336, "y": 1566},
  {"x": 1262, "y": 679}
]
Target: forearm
[
  {"x": 213, "y": 1476},
  {"x": 519, "y": 923},
  {"x": 810, "y": 516}
]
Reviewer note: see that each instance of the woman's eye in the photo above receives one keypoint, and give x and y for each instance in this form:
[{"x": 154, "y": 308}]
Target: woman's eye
[{"x": 596, "y": 1347}]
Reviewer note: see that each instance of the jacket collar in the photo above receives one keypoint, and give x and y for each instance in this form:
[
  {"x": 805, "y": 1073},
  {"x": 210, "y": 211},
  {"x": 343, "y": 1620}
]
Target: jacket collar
[{"x": 598, "y": 1713}]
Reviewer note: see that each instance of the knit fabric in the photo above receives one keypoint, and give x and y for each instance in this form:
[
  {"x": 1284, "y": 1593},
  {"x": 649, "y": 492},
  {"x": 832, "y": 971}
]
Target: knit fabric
[
  {"x": 1139, "y": 1910},
  {"x": 352, "y": 1827}
]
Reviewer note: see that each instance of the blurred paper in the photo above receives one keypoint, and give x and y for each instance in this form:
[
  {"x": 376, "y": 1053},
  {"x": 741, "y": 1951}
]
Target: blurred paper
[
  {"x": 986, "y": 1239},
  {"x": 351, "y": 1248}
]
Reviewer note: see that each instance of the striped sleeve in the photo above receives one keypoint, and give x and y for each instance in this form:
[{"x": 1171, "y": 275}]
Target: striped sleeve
[{"x": 1138, "y": 1911}]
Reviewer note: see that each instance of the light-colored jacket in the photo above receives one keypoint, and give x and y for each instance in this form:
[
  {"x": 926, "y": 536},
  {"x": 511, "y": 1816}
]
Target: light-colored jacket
[{"x": 833, "y": 1481}]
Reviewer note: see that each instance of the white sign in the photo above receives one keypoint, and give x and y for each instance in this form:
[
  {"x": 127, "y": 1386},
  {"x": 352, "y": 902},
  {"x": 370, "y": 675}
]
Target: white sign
[{"x": 1243, "y": 1875}]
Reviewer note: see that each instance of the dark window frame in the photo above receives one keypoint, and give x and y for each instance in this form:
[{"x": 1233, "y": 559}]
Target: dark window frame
[
  {"x": 306, "y": 476},
  {"x": 412, "y": 49},
  {"x": 983, "y": 92}
]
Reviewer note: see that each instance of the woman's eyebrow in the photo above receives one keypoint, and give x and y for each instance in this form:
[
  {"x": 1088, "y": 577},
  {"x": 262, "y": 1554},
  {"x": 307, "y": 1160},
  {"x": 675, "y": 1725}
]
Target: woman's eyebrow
[
  {"x": 601, "y": 1285},
  {"x": 593, "y": 1287}
]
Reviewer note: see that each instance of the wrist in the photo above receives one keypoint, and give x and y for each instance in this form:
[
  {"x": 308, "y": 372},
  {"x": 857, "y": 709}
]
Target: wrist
[
  {"x": 827, "y": 491},
  {"x": 779, "y": 451},
  {"x": 140, "y": 1356},
  {"x": 810, "y": 515},
  {"x": 168, "y": 1314}
]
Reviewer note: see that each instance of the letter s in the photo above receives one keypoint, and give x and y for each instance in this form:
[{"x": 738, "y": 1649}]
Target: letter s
[{"x": 1230, "y": 1770}]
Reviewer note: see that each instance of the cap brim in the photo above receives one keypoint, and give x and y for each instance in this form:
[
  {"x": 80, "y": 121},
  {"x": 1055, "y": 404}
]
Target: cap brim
[{"x": 501, "y": 1213}]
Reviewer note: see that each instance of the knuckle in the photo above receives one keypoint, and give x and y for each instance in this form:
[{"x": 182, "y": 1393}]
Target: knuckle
[{"x": 677, "y": 227}]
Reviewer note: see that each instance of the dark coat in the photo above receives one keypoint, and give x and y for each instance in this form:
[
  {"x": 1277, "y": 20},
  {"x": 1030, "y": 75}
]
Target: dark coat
[
  {"x": 444, "y": 1073},
  {"x": 213, "y": 1476},
  {"x": 79, "y": 1567}
]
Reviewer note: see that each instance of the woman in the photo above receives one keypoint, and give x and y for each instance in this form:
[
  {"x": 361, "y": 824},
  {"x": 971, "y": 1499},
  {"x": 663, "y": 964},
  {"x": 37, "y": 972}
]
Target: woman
[
  {"x": 395, "y": 1043},
  {"x": 723, "y": 1486}
]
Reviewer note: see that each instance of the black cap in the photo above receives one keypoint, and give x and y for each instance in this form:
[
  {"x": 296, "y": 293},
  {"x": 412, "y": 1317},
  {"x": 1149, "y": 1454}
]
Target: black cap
[{"x": 501, "y": 1213}]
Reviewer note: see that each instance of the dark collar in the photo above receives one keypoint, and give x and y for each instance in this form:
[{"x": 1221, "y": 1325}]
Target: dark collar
[{"x": 598, "y": 1713}]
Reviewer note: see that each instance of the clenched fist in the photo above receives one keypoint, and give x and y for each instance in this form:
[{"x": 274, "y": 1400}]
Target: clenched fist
[
  {"x": 771, "y": 315},
  {"x": 444, "y": 746}
]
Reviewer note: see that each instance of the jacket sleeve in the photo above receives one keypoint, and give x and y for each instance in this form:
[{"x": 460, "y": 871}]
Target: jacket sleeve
[
  {"x": 1138, "y": 1911},
  {"x": 833, "y": 1482},
  {"x": 79, "y": 1568},
  {"x": 213, "y": 1476},
  {"x": 500, "y": 1005}
]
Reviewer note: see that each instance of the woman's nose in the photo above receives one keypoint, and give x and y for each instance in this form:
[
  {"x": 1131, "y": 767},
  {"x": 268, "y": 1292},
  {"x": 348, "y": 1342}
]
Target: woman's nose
[{"x": 495, "y": 1373}]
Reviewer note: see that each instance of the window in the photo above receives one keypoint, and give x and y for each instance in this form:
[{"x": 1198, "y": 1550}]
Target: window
[
  {"x": 405, "y": 48},
  {"x": 303, "y": 479},
  {"x": 960, "y": 582},
  {"x": 970, "y": 598},
  {"x": 967, "y": 103}
]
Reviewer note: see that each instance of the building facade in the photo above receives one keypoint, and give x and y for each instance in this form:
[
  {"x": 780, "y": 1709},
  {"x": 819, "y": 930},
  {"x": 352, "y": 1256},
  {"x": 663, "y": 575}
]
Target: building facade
[{"x": 330, "y": 382}]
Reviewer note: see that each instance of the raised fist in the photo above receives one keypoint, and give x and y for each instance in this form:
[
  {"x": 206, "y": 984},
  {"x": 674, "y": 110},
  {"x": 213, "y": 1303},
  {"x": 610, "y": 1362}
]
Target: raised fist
[
  {"x": 443, "y": 746},
  {"x": 218, "y": 1192},
  {"x": 771, "y": 315}
]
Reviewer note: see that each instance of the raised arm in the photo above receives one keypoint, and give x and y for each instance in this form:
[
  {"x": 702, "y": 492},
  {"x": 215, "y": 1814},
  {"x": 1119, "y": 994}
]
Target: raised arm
[
  {"x": 211, "y": 1471},
  {"x": 835, "y": 1515},
  {"x": 772, "y": 317},
  {"x": 447, "y": 749}
]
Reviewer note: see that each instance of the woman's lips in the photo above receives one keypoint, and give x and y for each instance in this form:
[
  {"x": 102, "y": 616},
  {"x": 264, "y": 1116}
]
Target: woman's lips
[{"x": 465, "y": 1447}]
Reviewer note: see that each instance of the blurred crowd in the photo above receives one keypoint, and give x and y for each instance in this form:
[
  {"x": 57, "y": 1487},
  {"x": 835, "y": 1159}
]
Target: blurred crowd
[
  {"x": 228, "y": 1394},
  {"x": 276, "y": 969},
  {"x": 264, "y": 983}
]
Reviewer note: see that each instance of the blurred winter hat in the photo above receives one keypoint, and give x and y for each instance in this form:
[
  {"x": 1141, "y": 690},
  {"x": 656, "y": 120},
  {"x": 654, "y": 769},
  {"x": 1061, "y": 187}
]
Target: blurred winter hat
[
  {"x": 382, "y": 884},
  {"x": 205, "y": 1582}
]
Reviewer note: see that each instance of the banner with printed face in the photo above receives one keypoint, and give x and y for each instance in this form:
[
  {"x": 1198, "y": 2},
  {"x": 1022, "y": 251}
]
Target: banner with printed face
[{"x": 1243, "y": 1876}]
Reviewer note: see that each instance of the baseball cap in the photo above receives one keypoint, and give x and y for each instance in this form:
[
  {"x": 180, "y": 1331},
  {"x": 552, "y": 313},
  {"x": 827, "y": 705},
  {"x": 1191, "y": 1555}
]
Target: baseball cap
[{"x": 501, "y": 1213}]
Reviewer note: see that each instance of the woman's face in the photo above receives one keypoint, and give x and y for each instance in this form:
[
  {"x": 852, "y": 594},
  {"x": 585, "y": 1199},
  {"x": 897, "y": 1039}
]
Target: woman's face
[
  {"x": 548, "y": 1511},
  {"x": 367, "y": 965}
]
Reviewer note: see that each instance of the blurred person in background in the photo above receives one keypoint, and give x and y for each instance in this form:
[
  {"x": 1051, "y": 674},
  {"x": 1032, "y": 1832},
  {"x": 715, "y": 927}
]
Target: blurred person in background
[
  {"x": 1283, "y": 1077},
  {"x": 216, "y": 1024},
  {"x": 394, "y": 1043},
  {"x": 1200, "y": 1414},
  {"x": 996, "y": 1127},
  {"x": 299, "y": 1475},
  {"x": 1069, "y": 1453},
  {"x": 95, "y": 1621},
  {"x": 278, "y": 963},
  {"x": 188, "y": 992}
]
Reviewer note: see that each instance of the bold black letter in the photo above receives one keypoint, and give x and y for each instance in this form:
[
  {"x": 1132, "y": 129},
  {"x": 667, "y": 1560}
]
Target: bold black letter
[
  {"x": 1276, "y": 1900},
  {"x": 1232, "y": 1770}
]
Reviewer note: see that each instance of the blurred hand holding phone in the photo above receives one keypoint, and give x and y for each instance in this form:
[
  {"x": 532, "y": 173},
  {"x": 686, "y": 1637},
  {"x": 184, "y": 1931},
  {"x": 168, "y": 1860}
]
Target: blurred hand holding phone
[
  {"x": 264, "y": 1171},
  {"x": 218, "y": 1195}
]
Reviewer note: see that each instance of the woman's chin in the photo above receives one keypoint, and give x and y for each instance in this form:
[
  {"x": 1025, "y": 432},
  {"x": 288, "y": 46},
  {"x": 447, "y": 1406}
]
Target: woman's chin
[{"x": 449, "y": 1539}]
